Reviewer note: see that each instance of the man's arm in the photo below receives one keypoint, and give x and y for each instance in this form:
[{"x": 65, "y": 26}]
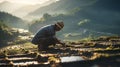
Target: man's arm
[{"x": 59, "y": 41}]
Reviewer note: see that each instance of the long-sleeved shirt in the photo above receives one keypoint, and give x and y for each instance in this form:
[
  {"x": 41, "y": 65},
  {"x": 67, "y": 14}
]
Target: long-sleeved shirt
[{"x": 44, "y": 32}]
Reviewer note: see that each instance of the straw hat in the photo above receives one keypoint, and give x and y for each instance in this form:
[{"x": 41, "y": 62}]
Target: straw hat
[{"x": 60, "y": 25}]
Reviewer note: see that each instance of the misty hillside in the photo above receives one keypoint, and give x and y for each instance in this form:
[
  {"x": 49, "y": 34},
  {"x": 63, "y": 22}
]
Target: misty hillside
[
  {"x": 17, "y": 9},
  {"x": 21, "y": 9},
  {"x": 91, "y": 18},
  {"x": 64, "y": 6},
  {"x": 6, "y": 34},
  {"x": 12, "y": 21},
  {"x": 11, "y": 36},
  {"x": 12, "y": 6},
  {"x": 103, "y": 16},
  {"x": 57, "y": 7},
  {"x": 24, "y": 10},
  {"x": 72, "y": 30},
  {"x": 108, "y": 5}
]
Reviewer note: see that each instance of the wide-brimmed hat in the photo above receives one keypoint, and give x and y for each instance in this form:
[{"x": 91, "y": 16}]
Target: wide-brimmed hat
[{"x": 60, "y": 25}]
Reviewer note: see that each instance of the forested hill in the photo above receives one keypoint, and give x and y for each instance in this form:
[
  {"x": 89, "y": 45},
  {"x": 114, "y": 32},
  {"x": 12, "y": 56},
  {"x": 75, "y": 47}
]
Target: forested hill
[
  {"x": 96, "y": 15},
  {"x": 11, "y": 36},
  {"x": 62, "y": 6},
  {"x": 6, "y": 34},
  {"x": 12, "y": 21},
  {"x": 67, "y": 5}
]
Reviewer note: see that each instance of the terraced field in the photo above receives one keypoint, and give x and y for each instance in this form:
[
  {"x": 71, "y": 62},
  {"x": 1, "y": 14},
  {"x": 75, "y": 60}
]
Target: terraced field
[{"x": 103, "y": 52}]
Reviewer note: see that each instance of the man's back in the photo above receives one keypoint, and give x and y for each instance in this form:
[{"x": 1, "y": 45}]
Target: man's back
[{"x": 44, "y": 32}]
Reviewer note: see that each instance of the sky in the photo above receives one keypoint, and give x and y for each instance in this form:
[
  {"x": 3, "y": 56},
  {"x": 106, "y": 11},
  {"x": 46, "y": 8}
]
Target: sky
[{"x": 28, "y": 1}]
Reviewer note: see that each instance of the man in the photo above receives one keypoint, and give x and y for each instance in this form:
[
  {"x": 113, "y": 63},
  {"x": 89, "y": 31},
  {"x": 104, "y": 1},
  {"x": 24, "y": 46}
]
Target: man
[{"x": 46, "y": 36}]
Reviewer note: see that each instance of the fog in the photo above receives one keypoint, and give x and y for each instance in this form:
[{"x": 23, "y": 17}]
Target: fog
[{"x": 21, "y": 8}]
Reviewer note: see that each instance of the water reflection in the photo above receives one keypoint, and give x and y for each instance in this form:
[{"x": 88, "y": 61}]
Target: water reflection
[
  {"x": 71, "y": 59},
  {"x": 95, "y": 65},
  {"x": 20, "y": 58},
  {"x": 26, "y": 63}
]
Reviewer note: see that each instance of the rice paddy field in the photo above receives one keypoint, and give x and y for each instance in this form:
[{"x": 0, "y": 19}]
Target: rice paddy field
[{"x": 102, "y": 52}]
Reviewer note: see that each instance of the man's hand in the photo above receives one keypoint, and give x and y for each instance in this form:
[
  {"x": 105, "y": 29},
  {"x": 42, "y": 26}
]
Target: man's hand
[{"x": 60, "y": 42}]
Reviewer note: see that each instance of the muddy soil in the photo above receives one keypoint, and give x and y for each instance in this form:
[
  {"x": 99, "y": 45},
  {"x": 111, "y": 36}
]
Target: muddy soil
[{"x": 103, "y": 52}]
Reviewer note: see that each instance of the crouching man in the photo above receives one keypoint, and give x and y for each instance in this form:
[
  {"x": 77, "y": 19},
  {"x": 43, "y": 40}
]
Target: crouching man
[{"x": 46, "y": 36}]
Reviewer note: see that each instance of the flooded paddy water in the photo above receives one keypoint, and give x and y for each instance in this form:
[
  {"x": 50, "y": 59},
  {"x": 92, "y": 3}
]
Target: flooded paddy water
[{"x": 97, "y": 53}]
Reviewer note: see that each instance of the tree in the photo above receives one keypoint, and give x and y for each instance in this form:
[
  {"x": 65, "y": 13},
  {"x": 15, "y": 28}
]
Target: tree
[{"x": 47, "y": 16}]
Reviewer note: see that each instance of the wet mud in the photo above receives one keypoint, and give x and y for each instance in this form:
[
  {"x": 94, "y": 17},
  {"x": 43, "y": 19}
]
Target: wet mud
[{"x": 103, "y": 52}]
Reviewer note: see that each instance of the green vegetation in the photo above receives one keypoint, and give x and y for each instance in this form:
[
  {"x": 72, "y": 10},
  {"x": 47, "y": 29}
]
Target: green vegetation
[
  {"x": 12, "y": 21},
  {"x": 75, "y": 24},
  {"x": 10, "y": 36},
  {"x": 17, "y": 49},
  {"x": 83, "y": 22},
  {"x": 80, "y": 15},
  {"x": 5, "y": 33}
]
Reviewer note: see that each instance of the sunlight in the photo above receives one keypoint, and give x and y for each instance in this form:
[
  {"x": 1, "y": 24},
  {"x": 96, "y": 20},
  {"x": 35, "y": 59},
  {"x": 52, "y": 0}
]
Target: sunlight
[
  {"x": 28, "y": 1},
  {"x": 21, "y": 8},
  {"x": 57, "y": 0}
]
